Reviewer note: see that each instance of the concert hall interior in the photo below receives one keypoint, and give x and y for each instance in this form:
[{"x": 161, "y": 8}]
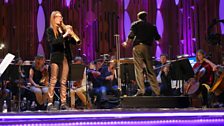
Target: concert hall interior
[{"x": 111, "y": 62}]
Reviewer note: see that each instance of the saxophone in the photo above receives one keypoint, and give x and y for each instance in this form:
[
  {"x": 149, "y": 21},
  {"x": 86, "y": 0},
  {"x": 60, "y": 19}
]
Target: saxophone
[{"x": 72, "y": 34}]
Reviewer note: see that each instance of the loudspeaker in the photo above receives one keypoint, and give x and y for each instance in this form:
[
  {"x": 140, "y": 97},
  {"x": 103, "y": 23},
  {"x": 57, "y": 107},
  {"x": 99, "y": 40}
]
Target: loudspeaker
[{"x": 155, "y": 102}]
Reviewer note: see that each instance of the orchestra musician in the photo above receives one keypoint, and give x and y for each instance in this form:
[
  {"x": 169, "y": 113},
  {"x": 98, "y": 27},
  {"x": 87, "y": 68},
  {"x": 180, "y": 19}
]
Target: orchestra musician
[
  {"x": 79, "y": 88},
  {"x": 204, "y": 75},
  {"x": 59, "y": 37},
  {"x": 17, "y": 83},
  {"x": 217, "y": 90},
  {"x": 5, "y": 94},
  {"x": 93, "y": 78},
  {"x": 164, "y": 76},
  {"x": 17, "y": 76},
  {"x": 107, "y": 82},
  {"x": 104, "y": 83},
  {"x": 39, "y": 79}
]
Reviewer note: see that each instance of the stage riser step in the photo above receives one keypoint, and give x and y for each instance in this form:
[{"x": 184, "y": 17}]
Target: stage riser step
[{"x": 155, "y": 102}]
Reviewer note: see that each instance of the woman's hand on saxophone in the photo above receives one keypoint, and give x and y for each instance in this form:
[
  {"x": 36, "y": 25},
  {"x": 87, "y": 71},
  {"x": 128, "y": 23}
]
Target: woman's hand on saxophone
[
  {"x": 70, "y": 32},
  {"x": 67, "y": 33}
]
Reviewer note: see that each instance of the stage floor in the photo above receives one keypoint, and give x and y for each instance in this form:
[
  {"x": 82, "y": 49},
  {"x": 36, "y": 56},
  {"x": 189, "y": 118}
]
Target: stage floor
[{"x": 118, "y": 116}]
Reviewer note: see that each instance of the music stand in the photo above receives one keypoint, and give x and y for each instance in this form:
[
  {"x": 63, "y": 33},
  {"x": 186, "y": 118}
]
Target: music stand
[
  {"x": 181, "y": 70},
  {"x": 127, "y": 74},
  {"x": 12, "y": 73},
  {"x": 26, "y": 69},
  {"x": 4, "y": 64},
  {"x": 76, "y": 74}
]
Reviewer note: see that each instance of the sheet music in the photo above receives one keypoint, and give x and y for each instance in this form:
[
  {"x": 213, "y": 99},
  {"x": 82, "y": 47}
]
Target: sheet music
[{"x": 5, "y": 63}]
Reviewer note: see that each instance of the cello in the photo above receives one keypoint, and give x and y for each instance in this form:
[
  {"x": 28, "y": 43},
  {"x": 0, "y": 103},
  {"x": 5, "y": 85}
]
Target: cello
[{"x": 191, "y": 87}]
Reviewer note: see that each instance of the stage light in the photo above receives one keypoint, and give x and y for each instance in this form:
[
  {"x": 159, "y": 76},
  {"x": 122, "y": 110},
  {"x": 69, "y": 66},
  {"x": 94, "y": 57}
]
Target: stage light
[
  {"x": 68, "y": 3},
  {"x": 6, "y": 1},
  {"x": 130, "y": 123},
  {"x": 213, "y": 114},
  {"x": 2, "y": 46}
]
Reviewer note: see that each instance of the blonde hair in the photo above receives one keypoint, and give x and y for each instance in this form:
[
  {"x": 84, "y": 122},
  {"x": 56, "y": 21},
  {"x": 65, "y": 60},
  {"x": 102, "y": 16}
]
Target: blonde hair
[{"x": 53, "y": 25}]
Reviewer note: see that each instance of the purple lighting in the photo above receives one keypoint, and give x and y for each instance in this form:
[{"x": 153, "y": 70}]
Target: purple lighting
[
  {"x": 68, "y": 3},
  {"x": 133, "y": 123},
  {"x": 40, "y": 23},
  {"x": 114, "y": 115},
  {"x": 158, "y": 52},
  {"x": 135, "y": 118},
  {"x": 159, "y": 23},
  {"x": 176, "y": 2},
  {"x": 39, "y": 1},
  {"x": 221, "y": 14},
  {"x": 126, "y": 3},
  {"x": 6, "y": 1},
  {"x": 127, "y": 24},
  {"x": 40, "y": 28},
  {"x": 159, "y": 2},
  {"x": 40, "y": 50}
]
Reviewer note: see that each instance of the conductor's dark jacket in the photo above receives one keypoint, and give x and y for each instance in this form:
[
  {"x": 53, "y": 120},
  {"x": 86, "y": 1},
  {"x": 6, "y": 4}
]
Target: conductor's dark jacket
[{"x": 143, "y": 32}]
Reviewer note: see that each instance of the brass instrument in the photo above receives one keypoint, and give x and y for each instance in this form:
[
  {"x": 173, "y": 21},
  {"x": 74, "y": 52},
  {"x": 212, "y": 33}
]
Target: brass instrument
[{"x": 73, "y": 35}]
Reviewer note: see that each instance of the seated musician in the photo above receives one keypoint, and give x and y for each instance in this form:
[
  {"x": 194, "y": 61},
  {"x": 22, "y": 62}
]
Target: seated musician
[
  {"x": 79, "y": 88},
  {"x": 39, "y": 79},
  {"x": 14, "y": 79},
  {"x": 219, "y": 75},
  {"x": 164, "y": 76},
  {"x": 103, "y": 81},
  {"x": 93, "y": 78},
  {"x": 17, "y": 82},
  {"x": 107, "y": 81},
  {"x": 99, "y": 64},
  {"x": 217, "y": 88},
  {"x": 5, "y": 95},
  {"x": 204, "y": 74},
  {"x": 93, "y": 75}
]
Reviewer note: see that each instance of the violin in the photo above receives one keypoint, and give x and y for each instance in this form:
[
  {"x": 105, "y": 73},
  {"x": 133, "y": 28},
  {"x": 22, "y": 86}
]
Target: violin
[
  {"x": 77, "y": 84},
  {"x": 45, "y": 76},
  {"x": 95, "y": 73}
]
